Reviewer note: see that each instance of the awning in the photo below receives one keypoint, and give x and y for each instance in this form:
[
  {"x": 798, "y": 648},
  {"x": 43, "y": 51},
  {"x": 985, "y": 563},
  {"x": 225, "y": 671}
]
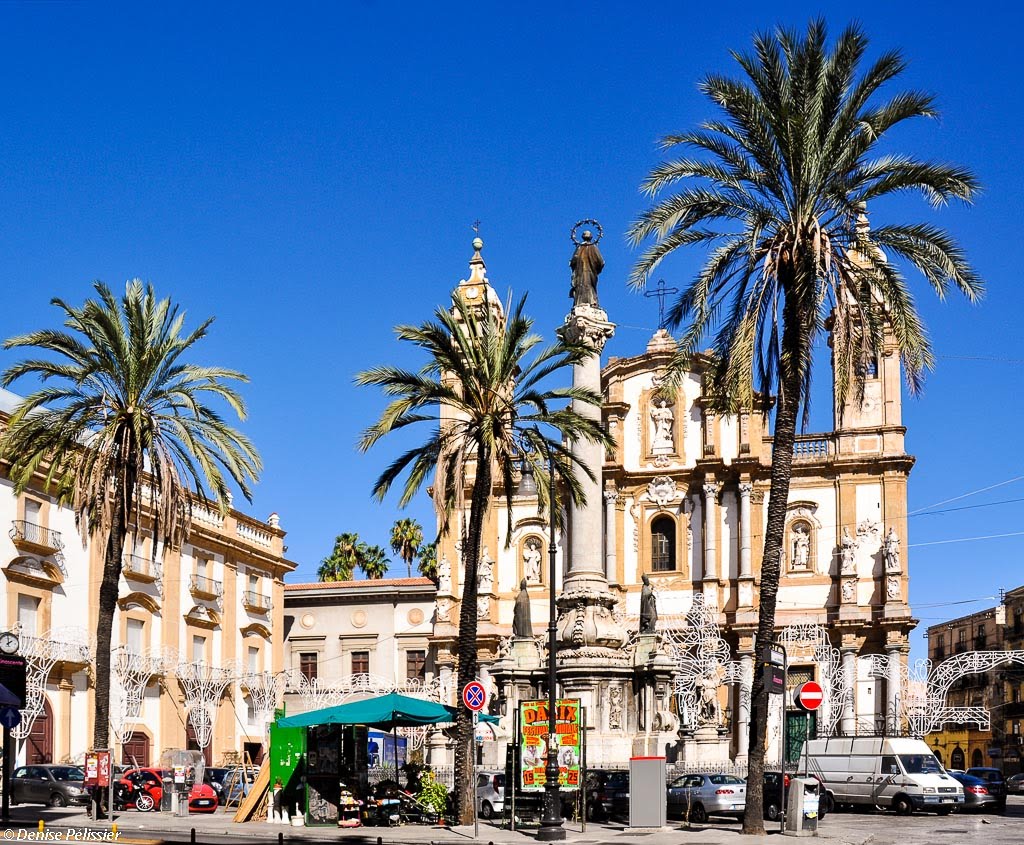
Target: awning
[{"x": 385, "y": 712}]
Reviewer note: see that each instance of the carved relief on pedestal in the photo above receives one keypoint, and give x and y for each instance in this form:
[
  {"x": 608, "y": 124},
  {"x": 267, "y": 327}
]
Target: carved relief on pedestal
[
  {"x": 662, "y": 490},
  {"x": 483, "y": 607},
  {"x": 615, "y": 707},
  {"x": 893, "y": 589},
  {"x": 442, "y": 609},
  {"x": 849, "y": 590}
]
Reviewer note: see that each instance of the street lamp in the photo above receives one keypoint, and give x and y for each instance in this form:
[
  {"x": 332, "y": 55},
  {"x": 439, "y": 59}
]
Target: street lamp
[{"x": 551, "y": 829}]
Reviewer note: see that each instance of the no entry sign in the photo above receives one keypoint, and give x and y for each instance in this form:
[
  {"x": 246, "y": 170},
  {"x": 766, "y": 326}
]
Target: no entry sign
[{"x": 809, "y": 695}]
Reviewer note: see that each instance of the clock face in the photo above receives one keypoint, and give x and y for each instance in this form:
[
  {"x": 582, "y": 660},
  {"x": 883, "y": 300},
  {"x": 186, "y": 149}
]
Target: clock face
[{"x": 9, "y": 642}]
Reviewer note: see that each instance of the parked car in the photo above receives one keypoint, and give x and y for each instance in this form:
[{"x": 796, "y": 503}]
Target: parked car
[
  {"x": 217, "y": 778},
  {"x": 698, "y": 796},
  {"x": 148, "y": 790},
  {"x": 1015, "y": 784},
  {"x": 976, "y": 794},
  {"x": 607, "y": 794},
  {"x": 490, "y": 794},
  {"x": 57, "y": 786},
  {"x": 776, "y": 797},
  {"x": 994, "y": 781}
]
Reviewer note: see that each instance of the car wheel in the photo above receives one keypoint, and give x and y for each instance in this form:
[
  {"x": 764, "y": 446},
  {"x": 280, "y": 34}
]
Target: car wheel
[
  {"x": 902, "y": 805},
  {"x": 591, "y": 813},
  {"x": 828, "y": 804},
  {"x": 771, "y": 811},
  {"x": 486, "y": 810},
  {"x": 944, "y": 811},
  {"x": 58, "y": 800},
  {"x": 698, "y": 815},
  {"x": 144, "y": 802}
]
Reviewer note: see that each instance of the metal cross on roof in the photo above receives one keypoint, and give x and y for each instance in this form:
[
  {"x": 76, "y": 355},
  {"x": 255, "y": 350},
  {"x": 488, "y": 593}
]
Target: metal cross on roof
[{"x": 662, "y": 293}]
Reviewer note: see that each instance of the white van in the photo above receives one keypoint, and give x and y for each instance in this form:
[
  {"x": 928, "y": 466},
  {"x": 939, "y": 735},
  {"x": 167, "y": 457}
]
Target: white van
[{"x": 889, "y": 772}]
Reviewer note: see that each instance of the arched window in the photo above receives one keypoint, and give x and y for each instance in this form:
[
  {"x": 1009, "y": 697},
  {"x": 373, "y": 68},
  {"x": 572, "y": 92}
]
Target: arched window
[
  {"x": 956, "y": 759},
  {"x": 977, "y": 758},
  {"x": 663, "y": 544}
]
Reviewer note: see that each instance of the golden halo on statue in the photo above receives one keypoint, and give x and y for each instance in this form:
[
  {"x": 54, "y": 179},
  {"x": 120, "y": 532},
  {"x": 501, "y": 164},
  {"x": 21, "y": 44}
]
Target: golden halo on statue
[{"x": 586, "y": 239}]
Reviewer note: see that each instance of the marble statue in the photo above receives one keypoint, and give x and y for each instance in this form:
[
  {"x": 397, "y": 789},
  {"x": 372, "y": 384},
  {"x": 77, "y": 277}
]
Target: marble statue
[
  {"x": 710, "y": 710},
  {"x": 648, "y": 607},
  {"x": 586, "y": 264},
  {"x": 485, "y": 573},
  {"x": 444, "y": 576},
  {"x": 801, "y": 548},
  {"x": 848, "y": 553},
  {"x": 521, "y": 624},
  {"x": 663, "y": 418},
  {"x": 531, "y": 562},
  {"x": 615, "y": 707},
  {"x": 891, "y": 551}
]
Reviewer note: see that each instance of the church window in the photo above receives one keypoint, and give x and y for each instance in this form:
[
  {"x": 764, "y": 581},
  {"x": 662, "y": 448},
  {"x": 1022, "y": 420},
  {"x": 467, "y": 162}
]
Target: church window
[{"x": 663, "y": 544}]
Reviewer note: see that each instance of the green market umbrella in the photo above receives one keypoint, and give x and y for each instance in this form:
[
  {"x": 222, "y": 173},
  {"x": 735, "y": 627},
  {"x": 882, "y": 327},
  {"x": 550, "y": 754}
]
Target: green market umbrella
[{"x": 385, "y": 712}]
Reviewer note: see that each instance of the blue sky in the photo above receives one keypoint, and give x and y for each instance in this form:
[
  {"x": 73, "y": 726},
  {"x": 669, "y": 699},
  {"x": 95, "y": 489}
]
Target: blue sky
[{"x": 309, "y": 173}]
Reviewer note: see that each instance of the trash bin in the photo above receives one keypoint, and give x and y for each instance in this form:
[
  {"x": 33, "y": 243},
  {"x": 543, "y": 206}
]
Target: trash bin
[
  {"x": 802, "y": 807},
  {"x": 647, "y": 792},
  {"x": 166, "y": 799}
]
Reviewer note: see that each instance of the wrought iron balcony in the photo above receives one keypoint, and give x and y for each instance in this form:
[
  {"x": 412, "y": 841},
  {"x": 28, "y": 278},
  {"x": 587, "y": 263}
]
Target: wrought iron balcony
[
  {"x": 29, "y": 537},
  {"x": 141, "y": 568},
  {"x": 256, "y": 601},
  {"x": 205, "y": 588}
]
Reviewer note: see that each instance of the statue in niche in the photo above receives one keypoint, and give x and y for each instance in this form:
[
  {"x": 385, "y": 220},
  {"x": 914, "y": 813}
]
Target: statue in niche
[
  {"x": 531, "y": 562},
  {"x": 891, "y": 551},
  {"x": 801, "y": 547},
  {"x": 848, "y": 553},
  {"x": 586, "y": 264},
  {"x": 663, "y": 419},
  {"x": 485, "y": 573},
  {"x": 444, "y": 576},
  {"x": 648, "y": 607},
  {"x": 522, "y": 627},
  {"x": 615, "y": 707}
]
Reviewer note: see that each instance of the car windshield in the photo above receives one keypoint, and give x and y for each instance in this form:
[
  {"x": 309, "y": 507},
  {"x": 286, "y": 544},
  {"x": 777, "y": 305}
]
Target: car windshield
[
  {"x": 72, "y": 773},
  {"x": 920, "y": 764}
]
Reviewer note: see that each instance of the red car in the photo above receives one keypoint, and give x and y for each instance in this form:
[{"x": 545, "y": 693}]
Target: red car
[{"x": 144, "y": 788}]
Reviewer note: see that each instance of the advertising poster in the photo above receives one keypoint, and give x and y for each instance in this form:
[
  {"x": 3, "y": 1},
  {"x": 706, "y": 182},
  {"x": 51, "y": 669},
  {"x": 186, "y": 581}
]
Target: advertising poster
[{"x": 533, "y": 738}]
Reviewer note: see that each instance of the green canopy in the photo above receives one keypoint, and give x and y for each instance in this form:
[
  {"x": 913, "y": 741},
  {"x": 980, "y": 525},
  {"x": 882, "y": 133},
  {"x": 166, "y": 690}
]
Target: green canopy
[{"x": 386, "y": 712}]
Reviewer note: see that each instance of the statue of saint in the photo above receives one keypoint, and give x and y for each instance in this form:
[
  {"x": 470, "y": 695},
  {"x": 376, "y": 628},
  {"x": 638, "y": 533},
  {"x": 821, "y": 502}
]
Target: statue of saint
[
  {"x": 531, "y": 562},
  {"x": 848, "y": 553},
  {"x": 485, "y": 573},
  {"x": 521, "y": 625},
  {"x": 444, "y": 576},
  {"x": 801, "y": 548},
  {"x": 648, "y": 607},
  {"x": 587, "y": 264},
  {"x": 662, "y": 417},
  {"x": 891, "y": 551}
]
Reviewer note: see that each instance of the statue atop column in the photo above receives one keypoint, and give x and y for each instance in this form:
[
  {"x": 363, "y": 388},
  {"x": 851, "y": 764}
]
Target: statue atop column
[
  {"x": 586, "y": 264},
  {"x": 648, "y": 607},
  {"x": 522, "y": 627}
]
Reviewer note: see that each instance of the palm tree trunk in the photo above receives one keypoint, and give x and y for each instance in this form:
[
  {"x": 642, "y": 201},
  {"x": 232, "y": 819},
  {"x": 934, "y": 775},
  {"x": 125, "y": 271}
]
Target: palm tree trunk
[
  {"x": 464, "y": 788},
  {"x": 796, "y": 351}
]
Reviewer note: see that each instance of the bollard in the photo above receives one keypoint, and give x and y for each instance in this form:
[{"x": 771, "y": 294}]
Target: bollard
[
  {"x": 113, "y": 829},
  {"x": 192, "y": 836},
  {"x": 42, "y": 826},
  {"x": 280, "y": 838}
]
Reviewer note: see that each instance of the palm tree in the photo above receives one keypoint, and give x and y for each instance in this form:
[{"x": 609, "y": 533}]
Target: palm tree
[
  {"x": 428, "y": 561},
  {"x": 406, "y": 539},
  {"x": 374, "y": 562},
  {"x": 486, "y": 398},
  {"x": 341, "y": 564},
  {"x": 119, "y": 430},
  {"x": 777, "y": 194}
]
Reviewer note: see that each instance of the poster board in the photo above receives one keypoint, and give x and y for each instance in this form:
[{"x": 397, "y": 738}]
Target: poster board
[{"x": 533, "y": 743}]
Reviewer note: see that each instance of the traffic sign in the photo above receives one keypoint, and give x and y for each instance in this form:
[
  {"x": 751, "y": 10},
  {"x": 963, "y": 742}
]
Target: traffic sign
[
  {"x": 474, "y": 696},
  {"x": 809, "y": 696},
  {"x": 13, "y": 671},
  {"x": 10, "y": 717}
]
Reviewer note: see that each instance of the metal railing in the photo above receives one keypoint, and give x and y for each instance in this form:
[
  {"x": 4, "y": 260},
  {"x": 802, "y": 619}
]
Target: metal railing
[
  {"x": 201, "y": 585},
  {"x": 142, "y": 566},
  {"x": 254, "y": 600},
  {"x": 23, "y": 531}
]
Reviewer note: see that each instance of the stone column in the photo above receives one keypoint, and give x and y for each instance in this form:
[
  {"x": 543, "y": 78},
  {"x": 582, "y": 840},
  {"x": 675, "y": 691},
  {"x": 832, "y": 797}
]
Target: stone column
[
  {"x": 611, "y": 497},
  {"x": 746, "y": 579},
  {"x": 849, "y": 722},
  {"x": 710, "y": 543},
  {"x": 893, "y": 691},
  {"x": 746, "y": 684}
]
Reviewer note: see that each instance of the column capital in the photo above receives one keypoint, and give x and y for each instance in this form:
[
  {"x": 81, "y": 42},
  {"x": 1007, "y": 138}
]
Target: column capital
[
  {"x": 587, "y": 325},
  {"x": 711, "y": 489},
  {"x": 745, "y": 488}
]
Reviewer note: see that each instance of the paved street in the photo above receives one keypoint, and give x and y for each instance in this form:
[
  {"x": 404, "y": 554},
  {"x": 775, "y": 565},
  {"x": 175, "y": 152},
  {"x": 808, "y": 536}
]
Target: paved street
[{"x": 840, "y": 828}]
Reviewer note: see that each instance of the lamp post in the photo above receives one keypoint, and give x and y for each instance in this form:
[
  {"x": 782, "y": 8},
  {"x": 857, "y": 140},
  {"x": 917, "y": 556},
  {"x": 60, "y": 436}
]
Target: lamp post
[{"x": 551, "y": 829}]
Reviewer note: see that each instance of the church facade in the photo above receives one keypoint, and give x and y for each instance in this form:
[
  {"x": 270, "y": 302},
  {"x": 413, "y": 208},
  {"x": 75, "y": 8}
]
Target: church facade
[{"x": 680, "y": 503}]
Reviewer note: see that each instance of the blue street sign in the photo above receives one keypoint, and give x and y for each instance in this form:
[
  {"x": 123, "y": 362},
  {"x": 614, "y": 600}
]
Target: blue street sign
[
  {"x": 474, "y": 696},
  {"x": 10, "y": 717}
]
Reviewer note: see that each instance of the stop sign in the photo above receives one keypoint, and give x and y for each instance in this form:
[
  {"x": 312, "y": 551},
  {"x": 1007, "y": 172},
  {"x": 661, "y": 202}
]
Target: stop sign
[{"x": 809, "y": 695}]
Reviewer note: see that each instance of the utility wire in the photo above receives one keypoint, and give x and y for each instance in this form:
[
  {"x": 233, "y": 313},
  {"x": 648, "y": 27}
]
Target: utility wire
[
  {"x": 968, "y": 539},
  {"x": 966, "y": 495}
]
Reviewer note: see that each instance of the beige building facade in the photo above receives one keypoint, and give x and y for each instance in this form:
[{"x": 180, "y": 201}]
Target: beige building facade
[{"x": 196, "y": 634}]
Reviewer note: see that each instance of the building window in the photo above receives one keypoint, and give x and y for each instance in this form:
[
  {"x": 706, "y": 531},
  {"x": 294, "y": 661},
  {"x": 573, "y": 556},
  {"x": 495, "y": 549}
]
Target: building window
[
  {"x": 254, "y": 584},
  {"x": 134, "y": 630},
  {"x": 200, "y": 567},
  {"x": 663, "y": 544},
  {"x": 28, "y": 614},
  {"x": 254, "y": 659},
  {"x": 956, "y": 759},
  {"x": 33, "y": 512},
  {"x": 307, "y": 665},
  {"x": 1016, "y": 728},
  {"x": 360, "y": 663},
  {"x": 198, "y": 649},
  {"x": 416, "y": 665}
]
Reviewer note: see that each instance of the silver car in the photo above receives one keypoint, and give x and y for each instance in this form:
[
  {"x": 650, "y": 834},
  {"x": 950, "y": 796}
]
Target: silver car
[
  {"x": 490, "y": 794},
  {"x": 698, "y": 796}
]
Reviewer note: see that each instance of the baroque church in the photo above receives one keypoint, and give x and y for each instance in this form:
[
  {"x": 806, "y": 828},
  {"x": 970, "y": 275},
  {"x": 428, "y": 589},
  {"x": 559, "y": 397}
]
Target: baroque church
[{"x": 681, "y": 505}]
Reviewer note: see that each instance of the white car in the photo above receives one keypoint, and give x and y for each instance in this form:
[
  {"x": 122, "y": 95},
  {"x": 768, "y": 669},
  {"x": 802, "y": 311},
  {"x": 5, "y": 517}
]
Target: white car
[{"x": 490, "y": 794}]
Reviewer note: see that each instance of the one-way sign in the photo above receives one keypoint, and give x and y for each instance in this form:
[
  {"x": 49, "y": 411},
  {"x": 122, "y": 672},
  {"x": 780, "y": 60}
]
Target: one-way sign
[{"x": 10, "y": 717}]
